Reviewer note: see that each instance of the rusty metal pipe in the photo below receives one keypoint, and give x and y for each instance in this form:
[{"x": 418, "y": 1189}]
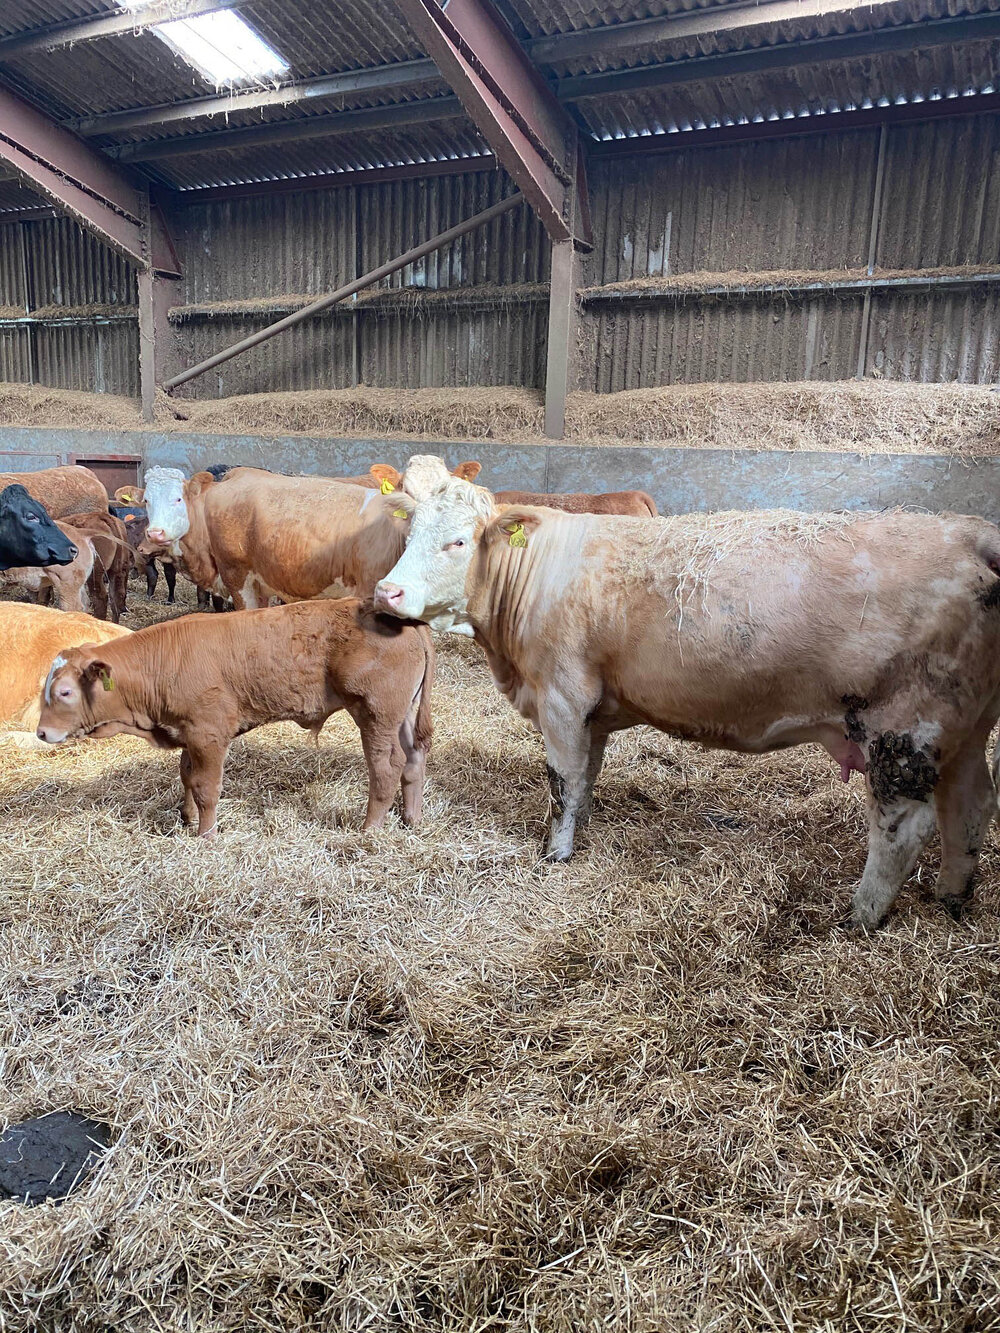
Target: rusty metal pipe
[{"x": 325, "y": 302}]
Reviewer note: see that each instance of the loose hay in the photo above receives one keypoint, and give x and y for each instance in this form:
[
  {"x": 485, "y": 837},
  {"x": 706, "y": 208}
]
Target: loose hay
[
  {"x": 868, "y": 417},
  {"x": 416, "y": 1080}
]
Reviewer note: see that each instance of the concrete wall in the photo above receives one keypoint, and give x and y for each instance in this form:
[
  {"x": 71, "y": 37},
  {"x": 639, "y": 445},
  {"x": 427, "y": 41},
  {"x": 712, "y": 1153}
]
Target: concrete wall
[{"x": 680, "y": 480}]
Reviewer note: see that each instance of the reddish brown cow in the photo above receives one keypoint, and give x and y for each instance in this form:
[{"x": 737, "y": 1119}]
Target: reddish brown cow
[
  {"x": 198, "y": 682},
  {"x": 637, "y": 504},
  {"x": 62, "y": 490}
]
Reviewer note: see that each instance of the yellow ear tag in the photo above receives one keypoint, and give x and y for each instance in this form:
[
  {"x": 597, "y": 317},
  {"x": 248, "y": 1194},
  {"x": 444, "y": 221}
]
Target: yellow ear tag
[
  {"x": 517, "y": 537},
  {"x": 400, "y": 513},
  {"x": 106, "y": 680},
  {"x": 387, "y": 486}
]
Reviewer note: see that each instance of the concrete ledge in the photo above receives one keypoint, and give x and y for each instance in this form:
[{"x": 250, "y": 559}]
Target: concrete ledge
[{"x": 680, "y": 480}]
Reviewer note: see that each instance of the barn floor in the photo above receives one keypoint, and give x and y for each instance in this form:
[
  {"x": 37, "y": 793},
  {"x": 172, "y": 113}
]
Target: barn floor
[{"x": 419, "y": 1081}]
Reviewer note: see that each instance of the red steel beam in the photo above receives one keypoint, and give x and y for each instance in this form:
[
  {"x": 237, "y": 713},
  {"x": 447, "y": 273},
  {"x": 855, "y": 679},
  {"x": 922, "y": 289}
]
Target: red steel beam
[{"x": 508, "y": 100}]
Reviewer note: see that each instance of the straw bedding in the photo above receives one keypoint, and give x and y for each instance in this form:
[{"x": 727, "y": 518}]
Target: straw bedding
[
  {"x": 869, "y": 417},
  {"x": 416, "y": 1080}
]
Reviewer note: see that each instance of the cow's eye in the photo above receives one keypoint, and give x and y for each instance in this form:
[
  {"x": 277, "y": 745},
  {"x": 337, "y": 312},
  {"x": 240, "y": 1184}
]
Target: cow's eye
[
  {"x": 33, "y": 518},
  {"x": 456, "y": 545},
  {"x": 64, "y": 691}
]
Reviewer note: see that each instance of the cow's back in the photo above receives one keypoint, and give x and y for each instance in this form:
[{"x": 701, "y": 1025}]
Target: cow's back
[
  {"x": 32, "y": 636},
  {"x": 62, "y": 490},
  {"x": 635, "y": 504}
]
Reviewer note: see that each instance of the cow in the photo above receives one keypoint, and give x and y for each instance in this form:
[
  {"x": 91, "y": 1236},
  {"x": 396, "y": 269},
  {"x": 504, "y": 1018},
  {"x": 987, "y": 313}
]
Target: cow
[
  {"x": 62, "y": 490},
  {"x": 95, "y": 579},
  {"x": 875, "y": 636},
  {"x": 384, "y": 477},
  {"x": 127, "y": 495},
  {"x": 635, "y": 503},
  {"x": 32, "y": 636},
  {"x": 199, "y": 682},
  {"x": 256, "y": 535},
  {"x": 136, "y": 524},
  {"x": 27, "y": 534}
]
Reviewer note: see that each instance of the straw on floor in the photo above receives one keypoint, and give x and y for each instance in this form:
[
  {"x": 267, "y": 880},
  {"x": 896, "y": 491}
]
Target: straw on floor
[{"x": 417, "y": 1080}]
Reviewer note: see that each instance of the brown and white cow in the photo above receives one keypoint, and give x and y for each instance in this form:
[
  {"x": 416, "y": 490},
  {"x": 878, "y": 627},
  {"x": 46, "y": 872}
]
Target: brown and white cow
[
  {"x": 199, "y": 682},
  {"x": 875, "y": 636},
  {"x": 62, "y": 490},
  {"x": 255, "y": 535},
  {"x": 32, "y": 636},
  {"x": 636, "y": 504}
]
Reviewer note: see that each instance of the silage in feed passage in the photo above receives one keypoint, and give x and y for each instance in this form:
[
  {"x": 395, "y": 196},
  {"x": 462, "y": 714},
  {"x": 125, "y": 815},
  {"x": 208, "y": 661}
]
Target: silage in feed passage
[{"x": 417, "y": 1080}]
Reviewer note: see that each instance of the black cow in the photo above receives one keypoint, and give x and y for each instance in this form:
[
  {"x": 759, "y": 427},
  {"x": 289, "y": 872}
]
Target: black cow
[{"x": 27, "y": 534}]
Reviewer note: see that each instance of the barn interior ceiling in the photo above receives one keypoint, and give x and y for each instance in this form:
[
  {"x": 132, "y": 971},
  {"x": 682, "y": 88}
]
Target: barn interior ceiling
[{"x": 358, "y": 92}]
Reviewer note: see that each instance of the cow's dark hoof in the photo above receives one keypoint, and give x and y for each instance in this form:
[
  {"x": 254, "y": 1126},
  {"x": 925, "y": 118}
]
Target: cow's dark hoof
[
  {"x": 955, "y": 905},
  {"x": 46, "y": 1158},
  {"x": 556, "y": 858}
]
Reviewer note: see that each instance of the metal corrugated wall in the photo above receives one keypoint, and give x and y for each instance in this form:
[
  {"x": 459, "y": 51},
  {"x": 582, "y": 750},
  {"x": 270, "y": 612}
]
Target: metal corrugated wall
[{"x": 797, "y": 205}]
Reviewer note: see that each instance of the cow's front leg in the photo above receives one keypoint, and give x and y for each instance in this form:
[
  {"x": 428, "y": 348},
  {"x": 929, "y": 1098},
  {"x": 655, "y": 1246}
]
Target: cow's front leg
[
  {"x": 204, "y": 783},
  {"x": 897, "y": 834},
  {"x": 571, "y": 771}
]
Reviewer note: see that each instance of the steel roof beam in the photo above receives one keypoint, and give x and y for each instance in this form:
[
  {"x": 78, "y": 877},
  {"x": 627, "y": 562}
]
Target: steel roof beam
[
  {"x": 509, "y": 102},
  {"x": 106, "y": 25},
  {"x": 936, "y": 32}
]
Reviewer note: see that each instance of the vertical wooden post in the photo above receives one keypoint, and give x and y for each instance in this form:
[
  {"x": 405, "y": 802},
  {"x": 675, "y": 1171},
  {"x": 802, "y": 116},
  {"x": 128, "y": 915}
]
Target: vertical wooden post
[
  {"x": 157, "y": 294},
  {"x": 561, "y": 355},
  {"x": 29, "y": 299}
]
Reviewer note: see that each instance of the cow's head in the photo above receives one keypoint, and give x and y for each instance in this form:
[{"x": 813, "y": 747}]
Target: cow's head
[
  {"x": 27, "y": 534},
  {"x": 426, "y": 473},
  {"x": 73, "y": 687},
  {"x": 428, "y": 582},
  {"x": 165, "y": 504}
]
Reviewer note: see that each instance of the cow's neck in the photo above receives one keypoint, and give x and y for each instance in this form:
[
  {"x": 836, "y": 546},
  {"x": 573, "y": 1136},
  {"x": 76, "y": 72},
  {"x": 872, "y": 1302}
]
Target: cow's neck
[{"x": 194, "y": 549}]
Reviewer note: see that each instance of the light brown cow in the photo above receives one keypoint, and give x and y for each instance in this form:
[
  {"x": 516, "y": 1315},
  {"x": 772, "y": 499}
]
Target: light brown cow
[
  {"x": 199, "y": 682},
  {"x": 876, "y": 636},
  {"x": 96, "y": 580},
  {"x": 384, "y": 477},
  {"x": 62, "y": 490},
  {"x": 635, "y": 503},
  {"x": 255, "y": 535},
  {"x": 32, "y": 636}
]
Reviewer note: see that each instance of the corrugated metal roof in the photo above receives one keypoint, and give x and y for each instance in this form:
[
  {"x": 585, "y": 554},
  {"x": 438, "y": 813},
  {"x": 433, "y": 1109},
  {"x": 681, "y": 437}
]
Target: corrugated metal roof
[
  {"x": 22, "y": 15},
  {"x": 13, "y": 195},
  {"x": 544, "y": 17}
]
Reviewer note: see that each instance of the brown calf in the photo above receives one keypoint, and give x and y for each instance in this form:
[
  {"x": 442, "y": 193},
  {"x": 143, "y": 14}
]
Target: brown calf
[
  {"x": 198, "y": 682},
  {"x": 637, "y": 504}
]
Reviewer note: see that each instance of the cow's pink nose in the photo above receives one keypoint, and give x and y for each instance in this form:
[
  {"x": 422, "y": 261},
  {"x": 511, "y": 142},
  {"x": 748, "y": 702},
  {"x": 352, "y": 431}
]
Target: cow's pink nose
[
  {"x": 388, "y": 594},
  {"x": 156, "y": 535}
]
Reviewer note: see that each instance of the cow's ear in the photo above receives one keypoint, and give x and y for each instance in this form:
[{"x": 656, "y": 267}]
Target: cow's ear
[
  {"x": 513, "y": 524},
  {"x": 387, "y": 477},
  {"x": 96, "y": 670},
  {"x": 198, "y": 483},
  {"x": 468, "y": 471}
]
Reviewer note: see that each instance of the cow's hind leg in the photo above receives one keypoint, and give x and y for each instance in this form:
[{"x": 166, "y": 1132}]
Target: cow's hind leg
[
  {"x": 414, "y": 769},
  {"x": 966, "y": 803},
  {"x": 574, "y": 758},
  {"x": 898, "y": 831}
]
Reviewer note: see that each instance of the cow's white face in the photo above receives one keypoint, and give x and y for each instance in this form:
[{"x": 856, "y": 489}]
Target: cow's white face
[
  {"x": 61, "y": 703},
  {"x": 428, "y": 581},
  {"x": 165, "y": 504},
  {"x": 425, "y": 474}
]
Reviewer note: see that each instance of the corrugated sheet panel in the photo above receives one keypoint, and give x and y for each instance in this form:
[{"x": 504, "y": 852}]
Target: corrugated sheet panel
[
  {"x": 941, "y": 201},
  {"x": 785, "y": 203},
  {"x": 268, "y": 245},
  {"x": 395, "y": 216},
  {"x": 101, "y": 358},
  {"x": 15, "y": 361},
  {"x": 12, "y": 291},
  {"x": 68, "y": 266},
  {"x": 502, "y": 346},
  {"x": 319, "y": 38},
  {"x": 13, "y": 196},
  {"x": 548, "y": 16},
  {"x": 947, "y": 336},
  {"x": 22, "y": 15},
  {"x": 631, "y": 347},
  {"x": 314, "y": 355}
]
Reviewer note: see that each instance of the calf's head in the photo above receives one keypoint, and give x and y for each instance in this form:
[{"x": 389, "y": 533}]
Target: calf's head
[
  {"x": 166, "y": 504},
  {"x": 28, "y": 535},
  {"x": 428, "y": 582},
  {"x": 77, "y": 682}
]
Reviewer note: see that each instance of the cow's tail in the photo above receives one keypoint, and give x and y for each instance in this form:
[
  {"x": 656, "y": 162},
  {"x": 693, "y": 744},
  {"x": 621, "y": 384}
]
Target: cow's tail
[
  {"x": 424, "y": 728},
  {"x": 650, "y": 504}
]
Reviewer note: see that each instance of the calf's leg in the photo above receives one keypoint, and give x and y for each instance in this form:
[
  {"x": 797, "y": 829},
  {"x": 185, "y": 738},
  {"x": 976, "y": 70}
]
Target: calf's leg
[
  {"x": 149, "y": 569},
  {"x": 897, "y": 834},
  {"x": 203, "y": 784},
  {"x": 574, "y": 760},
  {"x": 189, "y": 810},
  {"x": 414, "y": 769},
  {"x": 386, "y": 760},
  {"x": 966, "y": 803},
  {"x": 170, "y": 574}
]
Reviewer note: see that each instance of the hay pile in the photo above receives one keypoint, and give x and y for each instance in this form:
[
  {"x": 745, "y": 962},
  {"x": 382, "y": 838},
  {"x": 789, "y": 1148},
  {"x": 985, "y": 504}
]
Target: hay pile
[
  {"x": 872, "y": 416},
  {"x": 419, "y": 1081}
]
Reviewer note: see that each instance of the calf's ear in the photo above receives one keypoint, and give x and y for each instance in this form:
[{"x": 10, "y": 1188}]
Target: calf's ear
[
  {"x": 468, "y": 471},
  {"x": 96, "y": 670},
  {"x": 387, "y": 477}
]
